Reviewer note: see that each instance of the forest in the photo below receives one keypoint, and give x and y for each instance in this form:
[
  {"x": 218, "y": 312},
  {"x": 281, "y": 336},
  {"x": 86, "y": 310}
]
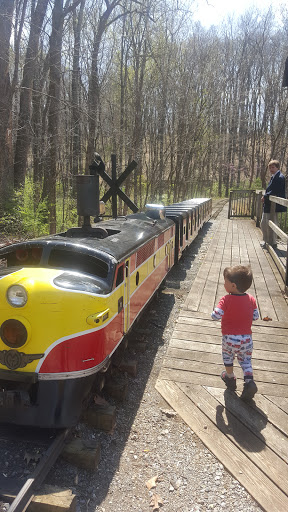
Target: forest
[{"x": 200, "y": 110}]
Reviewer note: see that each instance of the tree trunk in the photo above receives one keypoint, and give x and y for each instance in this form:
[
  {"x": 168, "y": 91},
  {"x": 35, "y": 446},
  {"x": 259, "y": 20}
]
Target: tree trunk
[
  {"x": 6, "y": 16},
  {"x": 24, "y": 133}
]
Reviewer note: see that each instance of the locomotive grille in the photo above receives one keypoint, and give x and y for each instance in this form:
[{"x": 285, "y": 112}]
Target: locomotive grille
[
  {"x": 145, "y": 252},
  {"x": 160, "y": 240}
]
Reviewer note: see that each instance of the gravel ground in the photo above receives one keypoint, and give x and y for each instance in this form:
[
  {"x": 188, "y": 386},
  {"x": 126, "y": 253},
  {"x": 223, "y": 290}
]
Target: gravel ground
[{"x": 150, "y": 441}]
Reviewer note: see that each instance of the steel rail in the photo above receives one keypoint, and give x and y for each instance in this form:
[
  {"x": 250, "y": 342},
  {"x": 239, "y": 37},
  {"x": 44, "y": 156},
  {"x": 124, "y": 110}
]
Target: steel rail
[{"x": 27, "y": 492}]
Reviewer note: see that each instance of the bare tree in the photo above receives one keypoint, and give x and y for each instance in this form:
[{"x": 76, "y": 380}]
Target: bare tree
[
  {"x": 7, "y": 86},
  {"x": 24, "y": 132}
]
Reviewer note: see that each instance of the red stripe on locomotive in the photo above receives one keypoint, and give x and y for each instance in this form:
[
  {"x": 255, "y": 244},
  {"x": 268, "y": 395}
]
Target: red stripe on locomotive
[{"x": 86, "y": 350}]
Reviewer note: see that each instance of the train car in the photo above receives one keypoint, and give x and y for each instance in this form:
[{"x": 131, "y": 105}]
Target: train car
[
  {"x": 189, "y": 216},
  {"x": 67, "y": 301}
]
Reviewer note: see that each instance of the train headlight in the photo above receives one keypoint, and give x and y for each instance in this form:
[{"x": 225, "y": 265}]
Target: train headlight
[
  {"x": 13, "y": 333},
  {"x": 17, "y": 296}
]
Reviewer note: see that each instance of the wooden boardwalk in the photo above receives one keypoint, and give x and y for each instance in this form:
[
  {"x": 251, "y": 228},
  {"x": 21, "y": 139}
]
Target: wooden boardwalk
[{"x": 250, "y": 440}]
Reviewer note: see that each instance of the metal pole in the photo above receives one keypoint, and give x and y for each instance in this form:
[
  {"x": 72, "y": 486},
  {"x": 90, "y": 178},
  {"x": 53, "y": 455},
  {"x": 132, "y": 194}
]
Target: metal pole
[{"x": 114, "y": 193}]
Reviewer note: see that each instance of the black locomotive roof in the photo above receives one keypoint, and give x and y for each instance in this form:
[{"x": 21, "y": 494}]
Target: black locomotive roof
[{"x": 117, "y": 238}]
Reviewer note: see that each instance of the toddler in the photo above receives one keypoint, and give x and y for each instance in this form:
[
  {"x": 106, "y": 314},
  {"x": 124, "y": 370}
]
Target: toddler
[{"x": 237, "y": 311}]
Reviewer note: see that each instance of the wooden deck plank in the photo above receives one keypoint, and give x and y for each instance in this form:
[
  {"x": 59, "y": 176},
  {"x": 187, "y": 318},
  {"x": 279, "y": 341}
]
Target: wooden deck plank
[
  {"x": 203, "y": 316},
  {"x": 275, "y": 286},
  {"x": 216, "y": 338},
  {"x": 193, "y": 300},
  {"x": 260, "y": 375},
  {"x": 209, "y": 357},
  {"x": 275, "y": 414},
  {"x": 260, "y": 268},
  {"x": 255, "y": 419},
  {"x": 268, "y": 495},
  {"x": 186, "y": 377},
  {"x": 272, "y": 328},
  {"x": 212, "y": 278},
  {"x": 206, "y": 329},
  {"x": 214, "y": 348},
  {"x": 246, "y": 441},
  {"x": 276, "y": 295},
  {"x": 251, "y": 440},
  {"x": 281, "y": 402}
]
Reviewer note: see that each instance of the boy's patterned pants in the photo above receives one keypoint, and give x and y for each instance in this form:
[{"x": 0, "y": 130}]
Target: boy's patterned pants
[{"x": 240, "y": 346}]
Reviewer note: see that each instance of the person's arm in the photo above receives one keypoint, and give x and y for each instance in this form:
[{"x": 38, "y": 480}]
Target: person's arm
[
  {"x": 255, "y": 310},
  {"x": 255, "y": 314},
  {"x": 218, "y": 312}
]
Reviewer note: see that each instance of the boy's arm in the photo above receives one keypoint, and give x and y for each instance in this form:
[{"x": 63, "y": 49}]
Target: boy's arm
[
  {"x": 218, "y": 311},
  {"x": 217, "y": 314},
  {"x": 255, "y": 314},
  {"x": 255, "y": 310}
]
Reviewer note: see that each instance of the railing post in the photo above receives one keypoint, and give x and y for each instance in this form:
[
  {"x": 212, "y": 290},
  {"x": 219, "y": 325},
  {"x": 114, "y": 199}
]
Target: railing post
[
  {"x": 272, "y": 211},
  {"x": 253, "y": 208},
  {"x": 230, "y": 204},
  {"x": 286, "y": 273},
  {"x": 258, "y": 208}
]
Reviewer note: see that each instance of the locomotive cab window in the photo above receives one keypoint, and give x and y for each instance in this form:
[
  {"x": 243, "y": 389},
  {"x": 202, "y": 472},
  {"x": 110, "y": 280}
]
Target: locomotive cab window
[
  {"x": 26, "y": 256},
  {"x": 120, "y": 276},
  {"x": 78, "y": 262}
]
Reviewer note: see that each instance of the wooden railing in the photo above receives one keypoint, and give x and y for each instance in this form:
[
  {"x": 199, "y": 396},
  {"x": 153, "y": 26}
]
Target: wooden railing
[{"x": 281, "y": 231}]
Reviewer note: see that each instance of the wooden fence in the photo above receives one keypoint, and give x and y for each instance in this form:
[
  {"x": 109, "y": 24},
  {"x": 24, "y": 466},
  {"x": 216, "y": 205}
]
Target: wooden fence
[{"x": 241, "y": 203}]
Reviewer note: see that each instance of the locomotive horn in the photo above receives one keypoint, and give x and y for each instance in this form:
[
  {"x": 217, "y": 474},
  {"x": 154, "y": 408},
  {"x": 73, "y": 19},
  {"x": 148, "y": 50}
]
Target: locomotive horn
[{"x": 88, "y": 192}]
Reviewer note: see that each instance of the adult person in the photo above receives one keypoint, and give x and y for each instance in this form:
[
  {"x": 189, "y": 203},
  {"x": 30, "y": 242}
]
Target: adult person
[{"x": 276, "y": 187}]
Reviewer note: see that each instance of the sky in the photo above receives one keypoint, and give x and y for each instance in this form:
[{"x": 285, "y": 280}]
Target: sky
[{"x": 211, "y": 12}]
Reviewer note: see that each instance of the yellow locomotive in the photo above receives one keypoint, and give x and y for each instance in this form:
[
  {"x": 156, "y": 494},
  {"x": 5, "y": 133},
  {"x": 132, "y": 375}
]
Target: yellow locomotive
[{"x": 67, "y": 301}]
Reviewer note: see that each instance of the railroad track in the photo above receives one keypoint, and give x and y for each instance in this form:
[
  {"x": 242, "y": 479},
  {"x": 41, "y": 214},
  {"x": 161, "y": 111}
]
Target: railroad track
[
  {"x": 34, "y": 481},
  {"x": 218, "y": 207}
]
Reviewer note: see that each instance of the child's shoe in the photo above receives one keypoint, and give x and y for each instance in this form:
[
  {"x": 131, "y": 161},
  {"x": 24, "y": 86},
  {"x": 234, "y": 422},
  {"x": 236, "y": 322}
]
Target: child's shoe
[
  {"x": 229, "y": 381},
  {"x": 249, "y": 390}
]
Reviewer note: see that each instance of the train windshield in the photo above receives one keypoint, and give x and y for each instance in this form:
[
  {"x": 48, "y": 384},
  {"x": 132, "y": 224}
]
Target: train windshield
[
  {"x": 84, "y": 272},
  {"x": 24, "y": 256},
  {"x": 76, "y": 266},
  {"x": 76, "y": 261}
]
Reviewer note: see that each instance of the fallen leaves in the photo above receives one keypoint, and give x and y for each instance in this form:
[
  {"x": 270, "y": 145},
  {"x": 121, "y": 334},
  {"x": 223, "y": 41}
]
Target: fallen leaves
[
  {"x": 156, "y": 502},
  {"x": 152, "y": 482},
  {"x": 267, "y": 318}
]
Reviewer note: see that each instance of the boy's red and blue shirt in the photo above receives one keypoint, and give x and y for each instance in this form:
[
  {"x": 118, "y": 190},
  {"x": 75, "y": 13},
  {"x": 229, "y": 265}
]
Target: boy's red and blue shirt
[{"x": 236, "y": 313}]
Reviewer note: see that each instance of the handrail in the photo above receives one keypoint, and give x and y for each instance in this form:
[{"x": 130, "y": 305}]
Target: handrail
[
  {"x": 241, "y": 202},
  {"x": 282, "y": 235},
  {"x": 279, "y": 200}
]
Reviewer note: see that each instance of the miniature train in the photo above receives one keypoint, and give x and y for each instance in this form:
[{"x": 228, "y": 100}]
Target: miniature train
[{"x": 67, "y": 301}]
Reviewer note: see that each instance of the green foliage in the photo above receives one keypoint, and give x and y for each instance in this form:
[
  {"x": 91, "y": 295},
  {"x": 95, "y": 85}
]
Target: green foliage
[
  {"x": 256, "y": 184},
  {"x": 20, "y": 217},
  {"x": 66, "y": 207}
]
